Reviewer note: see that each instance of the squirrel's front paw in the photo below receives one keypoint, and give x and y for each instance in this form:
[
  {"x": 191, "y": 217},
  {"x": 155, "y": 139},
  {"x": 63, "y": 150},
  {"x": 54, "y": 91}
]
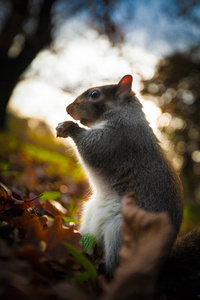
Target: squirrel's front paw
[{"x": 65, "y": 129}]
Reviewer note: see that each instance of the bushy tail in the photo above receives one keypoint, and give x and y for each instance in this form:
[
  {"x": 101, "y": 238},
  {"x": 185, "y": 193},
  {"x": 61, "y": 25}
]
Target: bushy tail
[{"x": 180, "y": 277}]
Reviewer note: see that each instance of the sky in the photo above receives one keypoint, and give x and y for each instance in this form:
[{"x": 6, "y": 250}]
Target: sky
[
  {"x": 158, "y": 28},
  {"x": 82, "y": 58}
]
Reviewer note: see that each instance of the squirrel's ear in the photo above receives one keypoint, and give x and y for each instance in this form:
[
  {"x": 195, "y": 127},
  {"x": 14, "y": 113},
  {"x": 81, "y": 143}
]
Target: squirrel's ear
[{"x": 124, "y": 85}]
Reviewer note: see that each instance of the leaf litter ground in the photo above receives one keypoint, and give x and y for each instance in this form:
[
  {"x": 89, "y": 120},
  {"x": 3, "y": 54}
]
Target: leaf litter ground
[{"x": 40, "y": 198}]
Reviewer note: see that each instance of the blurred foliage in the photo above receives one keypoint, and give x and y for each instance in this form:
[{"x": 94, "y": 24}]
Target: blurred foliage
[
  {"x": 191, "y": 217},
  {"x": 32, "y": 168},
  {"x": 175, "y": 89}
]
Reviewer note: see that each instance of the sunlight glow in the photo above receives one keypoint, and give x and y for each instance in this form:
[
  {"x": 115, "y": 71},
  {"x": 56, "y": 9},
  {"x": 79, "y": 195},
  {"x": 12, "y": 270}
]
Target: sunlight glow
[
  {"x": 79, "y": 61},
  {"x": 38, "y": 100},
  {"x": 152, "y": 113}
]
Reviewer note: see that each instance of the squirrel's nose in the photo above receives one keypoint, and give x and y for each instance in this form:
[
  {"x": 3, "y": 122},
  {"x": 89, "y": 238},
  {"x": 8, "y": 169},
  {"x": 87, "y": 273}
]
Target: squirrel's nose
[
  {"x": 72, "y": 111},
  {"x": 69, "y": 109}
]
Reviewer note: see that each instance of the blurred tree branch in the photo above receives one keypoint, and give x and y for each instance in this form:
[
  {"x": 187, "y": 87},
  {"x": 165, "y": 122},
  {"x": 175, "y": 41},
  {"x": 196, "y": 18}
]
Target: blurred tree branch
[
  {"x": 18, "y": 47},
  {"x": 27, "y": 30}
]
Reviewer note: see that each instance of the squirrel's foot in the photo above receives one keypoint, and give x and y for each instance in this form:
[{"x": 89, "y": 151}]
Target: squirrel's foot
[{"x": 65, "y": 129}]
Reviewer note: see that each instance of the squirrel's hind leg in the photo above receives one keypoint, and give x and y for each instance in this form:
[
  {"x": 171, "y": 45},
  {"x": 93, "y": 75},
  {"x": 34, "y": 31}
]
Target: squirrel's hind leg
[{"x": 113, "y": 243}]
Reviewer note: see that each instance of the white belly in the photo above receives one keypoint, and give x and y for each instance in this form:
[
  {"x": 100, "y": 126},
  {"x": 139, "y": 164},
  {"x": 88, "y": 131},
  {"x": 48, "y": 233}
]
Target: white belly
[{"x": 100, "y": 210}]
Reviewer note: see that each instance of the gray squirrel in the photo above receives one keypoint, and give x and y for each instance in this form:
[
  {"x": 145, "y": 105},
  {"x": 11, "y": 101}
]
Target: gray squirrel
[{"x": 120, "y": 154}]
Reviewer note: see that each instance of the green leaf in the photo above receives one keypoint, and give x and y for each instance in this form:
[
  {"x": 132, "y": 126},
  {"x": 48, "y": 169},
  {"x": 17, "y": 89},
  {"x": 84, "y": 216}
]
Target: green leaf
[
  {"x": 88, "y": 241},
  {"x": 82, "y": 277},
  {"x": 90, "y": 272},
  {"x": 68, "y": 220},
  {"x": 34, "y": 211},
  {"x": 50, "y": 195}
]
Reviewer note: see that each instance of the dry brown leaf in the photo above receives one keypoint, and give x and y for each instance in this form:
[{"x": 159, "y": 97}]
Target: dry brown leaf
[
  {"x": 51, "y": 210},
  {"x": 23, "y": 221},
  {"x": 34, "y": 256},
  {"x": 12, "y": 199}
]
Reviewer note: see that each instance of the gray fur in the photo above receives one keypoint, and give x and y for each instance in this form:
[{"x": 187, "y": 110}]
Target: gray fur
[{"x": 121, "y": 156}]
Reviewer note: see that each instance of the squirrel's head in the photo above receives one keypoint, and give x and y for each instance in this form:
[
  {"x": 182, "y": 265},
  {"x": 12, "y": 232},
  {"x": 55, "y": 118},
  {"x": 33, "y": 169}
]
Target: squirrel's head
[{"x": 89, "y": 106}]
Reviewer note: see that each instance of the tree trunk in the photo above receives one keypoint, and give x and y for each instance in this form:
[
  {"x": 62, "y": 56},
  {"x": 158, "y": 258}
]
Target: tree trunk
[{"x": 13, "y": 67}]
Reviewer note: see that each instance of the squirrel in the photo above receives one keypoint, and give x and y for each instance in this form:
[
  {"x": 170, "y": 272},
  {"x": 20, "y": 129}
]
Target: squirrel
[{"x": 120, "y": 154}]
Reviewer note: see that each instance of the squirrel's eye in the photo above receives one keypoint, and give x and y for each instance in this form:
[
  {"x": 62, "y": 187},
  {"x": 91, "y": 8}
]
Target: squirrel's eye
[{"x": 95, "y": 94}]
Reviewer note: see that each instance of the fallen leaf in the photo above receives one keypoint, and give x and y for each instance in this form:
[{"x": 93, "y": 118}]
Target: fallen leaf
[{"x": 51, "y": 210}]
